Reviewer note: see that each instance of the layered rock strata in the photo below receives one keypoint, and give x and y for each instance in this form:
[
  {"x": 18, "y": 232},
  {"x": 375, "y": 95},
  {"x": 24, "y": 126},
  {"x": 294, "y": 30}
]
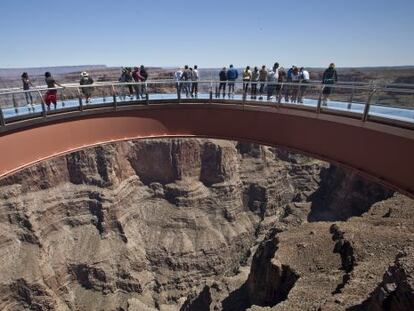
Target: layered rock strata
[{"x": 190, "y": 224}]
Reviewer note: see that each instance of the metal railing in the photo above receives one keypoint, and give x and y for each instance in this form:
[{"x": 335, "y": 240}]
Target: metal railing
[{"x": 392, "y": 103}]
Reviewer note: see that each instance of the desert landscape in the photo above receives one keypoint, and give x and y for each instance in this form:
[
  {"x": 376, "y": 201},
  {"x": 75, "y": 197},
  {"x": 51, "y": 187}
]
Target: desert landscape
[
  {"x": 200, "y": 224},
  {"x": 71, "y": 74}
]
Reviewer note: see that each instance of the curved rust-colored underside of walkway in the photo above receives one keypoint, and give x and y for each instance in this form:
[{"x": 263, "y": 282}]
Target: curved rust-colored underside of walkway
[{"x": 381, "y": 152}]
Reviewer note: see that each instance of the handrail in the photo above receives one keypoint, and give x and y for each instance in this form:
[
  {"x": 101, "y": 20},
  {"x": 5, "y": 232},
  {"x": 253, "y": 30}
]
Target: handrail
[
  {"x": 385, "y": 88},
  {"x": 342, "y": 83},
  {"x": 210, "y": 82},
  {"x": 117, "y": 90}
]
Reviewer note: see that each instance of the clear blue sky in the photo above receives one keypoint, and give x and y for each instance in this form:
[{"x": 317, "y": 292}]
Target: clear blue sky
[{"x": 210, "y": 33}]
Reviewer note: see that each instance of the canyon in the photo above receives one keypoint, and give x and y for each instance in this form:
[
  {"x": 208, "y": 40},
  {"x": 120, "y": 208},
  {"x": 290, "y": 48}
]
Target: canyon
[{"x": 201, "y": 224}]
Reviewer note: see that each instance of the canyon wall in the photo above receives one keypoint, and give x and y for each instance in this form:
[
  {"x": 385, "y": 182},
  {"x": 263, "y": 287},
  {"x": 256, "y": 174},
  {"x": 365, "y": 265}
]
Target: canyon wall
[{"x": 193, "y": 224}]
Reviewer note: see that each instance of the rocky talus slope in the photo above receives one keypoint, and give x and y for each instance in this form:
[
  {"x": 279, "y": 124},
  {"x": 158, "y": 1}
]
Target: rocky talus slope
[{"x": 197, "y": 224}]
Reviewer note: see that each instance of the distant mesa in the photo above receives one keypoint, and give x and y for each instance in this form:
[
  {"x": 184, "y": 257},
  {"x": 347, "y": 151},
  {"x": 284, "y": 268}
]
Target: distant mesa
[{"x": 58, "y": 70}]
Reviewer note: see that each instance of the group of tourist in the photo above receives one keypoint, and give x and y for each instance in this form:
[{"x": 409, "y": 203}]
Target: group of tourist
[
  {"x": 227, "y": 76},
  {"x": 186, "y": 81},
  {"x": 273, "y": 78},
  {"x": 136, "y": 75},
  {"x": 272, "y": 82},
  {"x": 127, "y": 76},
  {"x": 268, "y": 80},
  {"x": 263, "y": 81}
]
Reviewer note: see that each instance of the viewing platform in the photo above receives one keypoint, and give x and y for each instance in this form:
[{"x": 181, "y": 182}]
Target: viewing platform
[{"x": 366, "y": 128}]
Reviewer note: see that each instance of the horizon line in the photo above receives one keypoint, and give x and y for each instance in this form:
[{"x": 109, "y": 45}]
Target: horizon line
[{"x": 179, "y": 66}]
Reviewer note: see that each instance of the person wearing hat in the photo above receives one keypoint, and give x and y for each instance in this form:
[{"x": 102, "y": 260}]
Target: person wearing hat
[
  {"x": 87, "y": 91},
  {"x": 126, "y": 79}
]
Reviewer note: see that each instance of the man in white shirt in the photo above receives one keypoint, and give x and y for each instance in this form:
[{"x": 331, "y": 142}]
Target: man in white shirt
[
  {"x": 304, "y": 80},
  {"x": 194, "y": 84},
  {"x": 177, "y": 77},
  {"x": 271, "y": 83}
]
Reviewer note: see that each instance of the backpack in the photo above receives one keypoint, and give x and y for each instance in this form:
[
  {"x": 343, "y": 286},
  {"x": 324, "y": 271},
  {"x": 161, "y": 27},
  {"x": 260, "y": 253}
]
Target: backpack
[{"x": 85, "y": 81}]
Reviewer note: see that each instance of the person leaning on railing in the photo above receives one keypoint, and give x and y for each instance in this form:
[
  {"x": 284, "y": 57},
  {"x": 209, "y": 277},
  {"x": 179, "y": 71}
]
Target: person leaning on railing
[
  {"x": 126, "y": 77},
  {"x": 330, "y": 76},
  {"x": 87, "y": 91},
  {"x": 51, "y": 95},
  {"x": 26, "y": 86}
]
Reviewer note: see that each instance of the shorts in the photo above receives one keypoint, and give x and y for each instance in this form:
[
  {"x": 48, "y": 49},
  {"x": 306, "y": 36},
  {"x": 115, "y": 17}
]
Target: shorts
[
  {"x": 50, "y": 97},
  {"x": 327, "y": 90}
]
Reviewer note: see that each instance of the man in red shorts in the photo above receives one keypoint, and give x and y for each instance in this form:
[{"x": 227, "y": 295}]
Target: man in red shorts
[{"x": 51, "y": 95}]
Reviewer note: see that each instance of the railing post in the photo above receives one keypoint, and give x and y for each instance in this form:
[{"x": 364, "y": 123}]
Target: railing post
[
  {"x": 80, "y": 100},
  {"x": 178, "y": 85},
  {"x": 351, "y": 98},
  {"x": 146, "y": 94},
  {"x": 15, "y": 104},
  {"x": 62, "y": 95},
  {"x": 44, "y": 113},
  {"x": 211, "y": 91},
  {"x": 368, "y": 105},
  {"x": 318, "y": 107},
  {"x": 146, "y": 99},
  {"x": 279, "y": 96},
  {"x": 103, "y": 93},
  {"x": 114, "y": 96},
  {"x": 2, "y": 122}
]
